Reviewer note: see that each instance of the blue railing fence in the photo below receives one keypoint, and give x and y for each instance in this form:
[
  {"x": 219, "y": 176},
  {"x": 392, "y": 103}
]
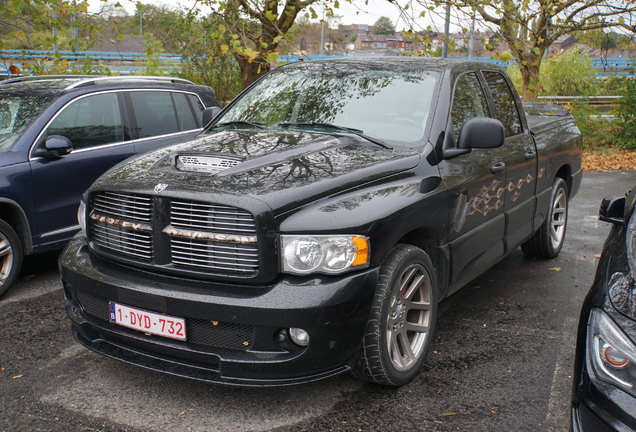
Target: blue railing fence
[{"x": 129, "y": 62}]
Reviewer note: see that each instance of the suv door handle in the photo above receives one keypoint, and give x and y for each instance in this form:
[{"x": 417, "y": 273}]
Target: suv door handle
[
  {"x": 498, "y": 167},
  {"x": 530, "y": 155}
]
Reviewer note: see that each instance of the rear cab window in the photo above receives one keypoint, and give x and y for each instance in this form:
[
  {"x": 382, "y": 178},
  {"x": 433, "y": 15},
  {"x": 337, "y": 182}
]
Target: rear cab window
[{"x": 505, "y": 105}]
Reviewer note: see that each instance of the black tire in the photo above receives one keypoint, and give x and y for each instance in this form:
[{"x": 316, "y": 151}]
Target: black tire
[
  {"x": 548, "y": 241},
  {"x": 10, "y": 257},
  {"x": 402, "y": 319}
]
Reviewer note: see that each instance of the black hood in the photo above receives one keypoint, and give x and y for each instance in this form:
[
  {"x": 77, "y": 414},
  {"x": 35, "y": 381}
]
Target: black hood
[{"x": 262, "y": 165}]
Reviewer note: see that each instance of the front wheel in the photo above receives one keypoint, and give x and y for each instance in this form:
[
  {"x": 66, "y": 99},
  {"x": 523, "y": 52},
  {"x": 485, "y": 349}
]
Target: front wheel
[
  {"x": 402, "y": 319},
  {"x": 10, "y": 257},
  {"x": 548, "y": 241}
]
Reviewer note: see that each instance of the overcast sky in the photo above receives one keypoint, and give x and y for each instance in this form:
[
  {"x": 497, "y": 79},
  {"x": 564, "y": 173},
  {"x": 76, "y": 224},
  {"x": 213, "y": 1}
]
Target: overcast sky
[{"x": 355, "y": 12}]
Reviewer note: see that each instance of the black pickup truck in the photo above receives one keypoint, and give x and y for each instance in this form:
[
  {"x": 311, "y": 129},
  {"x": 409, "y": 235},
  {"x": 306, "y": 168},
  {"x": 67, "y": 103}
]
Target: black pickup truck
[{"x": 316, "y": 223}]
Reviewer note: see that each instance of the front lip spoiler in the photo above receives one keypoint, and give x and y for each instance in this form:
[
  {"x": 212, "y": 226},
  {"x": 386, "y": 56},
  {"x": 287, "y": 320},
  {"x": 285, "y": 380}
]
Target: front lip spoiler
[{"x": 148, "y": 361}]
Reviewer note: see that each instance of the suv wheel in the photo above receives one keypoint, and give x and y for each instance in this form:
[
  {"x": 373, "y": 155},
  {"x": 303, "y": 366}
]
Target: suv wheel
[{"x": 10, "y": 257}]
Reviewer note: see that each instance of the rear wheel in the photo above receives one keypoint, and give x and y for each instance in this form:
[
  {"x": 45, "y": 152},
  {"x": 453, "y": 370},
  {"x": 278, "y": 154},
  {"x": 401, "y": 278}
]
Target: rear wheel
[
  {"x": 10, "y": 257},
  {"x": 402, "y": 319},
  {"x": 548, "y": 241}
]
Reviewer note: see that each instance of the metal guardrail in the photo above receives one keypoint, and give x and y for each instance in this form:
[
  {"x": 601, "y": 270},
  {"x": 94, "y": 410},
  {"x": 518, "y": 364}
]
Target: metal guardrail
[
  {"x": 79, "y": 55},
  {"x": 603, "y": 105}
]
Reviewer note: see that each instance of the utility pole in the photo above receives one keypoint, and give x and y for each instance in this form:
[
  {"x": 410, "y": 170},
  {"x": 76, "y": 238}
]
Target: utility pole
[
  {"x": 322, "y": 31},
  {"x": 75, "y": 32},
  {"x": 141, "y": 20},
  {"x": 471, "y": 41}
]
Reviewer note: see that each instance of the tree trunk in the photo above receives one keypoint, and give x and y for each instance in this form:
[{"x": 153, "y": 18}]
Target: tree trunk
[
  {"x": 252, "y": 70},
  {"x": 529, "y": 65}
]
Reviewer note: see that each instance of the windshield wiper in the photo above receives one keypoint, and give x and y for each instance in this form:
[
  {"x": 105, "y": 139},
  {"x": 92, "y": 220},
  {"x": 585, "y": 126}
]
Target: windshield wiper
[
  {"x": 240, "y": 123},
  {"x": 357, "y": 132}
]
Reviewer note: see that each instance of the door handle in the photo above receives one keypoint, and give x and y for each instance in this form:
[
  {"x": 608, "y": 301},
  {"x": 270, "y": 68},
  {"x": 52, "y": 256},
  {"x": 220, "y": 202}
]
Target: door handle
[
  {"x": 498, "y": 167},
  {"x": 530, "y": 155}
]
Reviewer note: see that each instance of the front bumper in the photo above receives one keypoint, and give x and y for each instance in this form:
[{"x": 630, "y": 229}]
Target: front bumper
[
  {"x": 236, "y": 333},
  {"x": 602, "y": 409}
]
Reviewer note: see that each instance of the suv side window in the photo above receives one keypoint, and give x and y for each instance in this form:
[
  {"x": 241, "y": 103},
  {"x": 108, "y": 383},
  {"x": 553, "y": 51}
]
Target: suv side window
[
  {"x": 469, "y": 101},
  {"x": 198, "y": 108},
  {"x": 91, "y": 121},
  {"x": 162, "y": 113},
  {"x": 504, "y": 103},
  {"x": 185, "y": 115}
]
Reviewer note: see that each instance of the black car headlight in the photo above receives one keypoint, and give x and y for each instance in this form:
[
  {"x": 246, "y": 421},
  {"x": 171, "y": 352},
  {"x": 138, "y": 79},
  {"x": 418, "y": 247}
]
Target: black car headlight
[
  {"x": 630, "y": 239},
  {"x": 611, "y": 353}
]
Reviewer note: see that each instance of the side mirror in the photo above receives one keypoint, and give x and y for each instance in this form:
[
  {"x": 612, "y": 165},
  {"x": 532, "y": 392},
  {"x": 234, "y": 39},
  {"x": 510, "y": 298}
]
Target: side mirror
[
  {"x": 613, "y": 210},
  {"x": 482, "y": 132},
  {"x": 209, "y": 114},
  {"x": 55, "y": 146}
]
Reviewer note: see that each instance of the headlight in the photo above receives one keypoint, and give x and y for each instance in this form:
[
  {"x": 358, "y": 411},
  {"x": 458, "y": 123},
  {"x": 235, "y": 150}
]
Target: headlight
[
  {"x": 611, "y": 354},
  {"x": 305, "y": 254},
  {"x": 81, "y": 216},
  {"x": 630, "y": 239}
]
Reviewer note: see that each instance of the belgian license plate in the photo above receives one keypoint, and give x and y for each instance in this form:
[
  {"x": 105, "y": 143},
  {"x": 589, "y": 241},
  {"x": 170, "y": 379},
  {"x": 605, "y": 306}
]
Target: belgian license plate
[{"x": 147, "y": 322}]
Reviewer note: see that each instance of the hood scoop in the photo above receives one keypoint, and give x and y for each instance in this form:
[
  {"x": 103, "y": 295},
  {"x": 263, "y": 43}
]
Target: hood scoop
[{"x": 205, "y": 164}]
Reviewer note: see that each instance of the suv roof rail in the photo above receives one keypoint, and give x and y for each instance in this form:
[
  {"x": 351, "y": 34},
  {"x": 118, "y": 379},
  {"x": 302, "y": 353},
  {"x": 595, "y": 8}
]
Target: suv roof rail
[
  {"x": 42, "y": 78},
  {"x": 96, "y": 79}
]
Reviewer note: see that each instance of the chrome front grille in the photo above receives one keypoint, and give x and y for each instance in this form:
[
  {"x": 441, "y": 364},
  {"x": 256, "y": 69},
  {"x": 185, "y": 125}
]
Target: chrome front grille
[
  {"x": 124, "y": 240},
  {"x": 210, "y": 255},
  {"x": 224, "y": 256},
  {"x": 128, "y": 206},
  {"x": 110, "y": 211},
  {"x": 211, "y": 217},
  {"x": 188, "y": 235}
]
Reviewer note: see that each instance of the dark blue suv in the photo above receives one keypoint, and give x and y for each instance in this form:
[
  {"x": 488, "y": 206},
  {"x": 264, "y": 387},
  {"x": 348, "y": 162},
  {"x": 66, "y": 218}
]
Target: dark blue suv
[{"x": 59, "y": 133}]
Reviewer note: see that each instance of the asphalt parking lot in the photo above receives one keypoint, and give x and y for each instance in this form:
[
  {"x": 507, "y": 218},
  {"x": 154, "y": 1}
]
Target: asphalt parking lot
[{"x": 501, "y": 359}]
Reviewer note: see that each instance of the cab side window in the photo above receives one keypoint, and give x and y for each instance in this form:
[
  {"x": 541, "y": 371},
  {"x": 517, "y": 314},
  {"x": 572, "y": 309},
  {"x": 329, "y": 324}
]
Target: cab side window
[
  {"x": 163, "y": 113},
  {"x": 505, "y": 104},
  {"x": 91, "y": 121},
  {"x": 469, "y": 101}
]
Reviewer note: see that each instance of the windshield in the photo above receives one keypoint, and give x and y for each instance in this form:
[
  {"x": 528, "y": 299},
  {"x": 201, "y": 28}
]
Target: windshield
[
  {"x": 16, "y": 113},
  {"x": 389, "y": 105}
]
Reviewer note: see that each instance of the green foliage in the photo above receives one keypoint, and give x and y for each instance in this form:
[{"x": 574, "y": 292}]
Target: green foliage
[
  {"x": 626, "y": 114},
  {"x": 597, "y": 132},
  {"x": 43, "y": 24},
  {"x": 90, "y": 67},
  {"x": 515, "y": 76},
  {"x": 198, "y": 40},
  {"x": 383, "y": 26},
  {"x": 568, "y": 74},
  {"x": 151, "y": 65}
]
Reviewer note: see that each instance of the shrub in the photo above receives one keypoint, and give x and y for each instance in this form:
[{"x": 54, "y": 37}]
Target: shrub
[
  {"x": 568, "y": 74},
  {"x": 598, "y": 133},
  {"x": 626, "y": 114}
]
